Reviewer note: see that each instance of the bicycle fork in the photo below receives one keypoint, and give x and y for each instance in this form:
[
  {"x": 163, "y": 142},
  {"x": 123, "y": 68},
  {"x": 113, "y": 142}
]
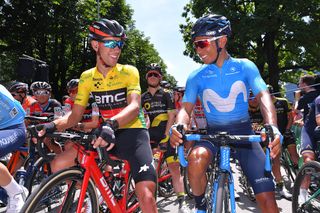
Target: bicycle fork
[
  {"x": 106, "y": 192},
  {"x": 224, "y": 167}
]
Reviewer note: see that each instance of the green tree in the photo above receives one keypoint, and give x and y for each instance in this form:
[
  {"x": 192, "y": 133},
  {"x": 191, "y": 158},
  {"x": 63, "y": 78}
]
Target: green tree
[
  {"x": 277, "y": 36},
  {"x": 56, "y": 31}
]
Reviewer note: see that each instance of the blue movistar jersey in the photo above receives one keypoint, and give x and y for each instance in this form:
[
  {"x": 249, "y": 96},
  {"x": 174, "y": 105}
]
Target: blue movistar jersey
[
  {"x": 224, "y": 91},
  {"x": 11, "y": 111}
]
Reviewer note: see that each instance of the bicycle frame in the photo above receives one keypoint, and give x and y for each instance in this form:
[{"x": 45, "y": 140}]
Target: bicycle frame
[
  {"x": 165, "y": 177},
  {"x": 223, "y": 140},
  {"x": 92, "y": 170},
  {"x": 13, "y": 162},
  {"x": 224, "y": 166}
]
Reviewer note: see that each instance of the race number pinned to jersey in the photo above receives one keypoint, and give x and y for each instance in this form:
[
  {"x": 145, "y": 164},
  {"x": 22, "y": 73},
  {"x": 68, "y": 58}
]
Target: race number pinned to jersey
[
  {"x": 58, "y": 113},
  {"x": 13, "y": 112}
]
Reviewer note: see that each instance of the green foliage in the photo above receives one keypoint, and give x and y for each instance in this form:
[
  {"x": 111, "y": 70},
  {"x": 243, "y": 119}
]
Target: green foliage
[
  {"x": 140, "y": 52},
  {"x": 56, "y": 31},
  {"x": 278, "y": 36}
]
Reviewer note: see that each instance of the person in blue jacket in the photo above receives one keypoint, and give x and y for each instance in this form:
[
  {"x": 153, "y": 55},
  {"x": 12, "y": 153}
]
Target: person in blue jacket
[
  {"x": 222, "y": 84},
  {"x": 12, "y": 135}
]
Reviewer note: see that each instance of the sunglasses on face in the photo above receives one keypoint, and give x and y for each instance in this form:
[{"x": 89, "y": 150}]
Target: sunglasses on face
[
  {"x": 153, "y": 74},
  {"x": 113, "y": 44},
  {"x": 204, "y": 42},
  {"x": 73, "y": 91},
  {"x": 41, "y": 92}
]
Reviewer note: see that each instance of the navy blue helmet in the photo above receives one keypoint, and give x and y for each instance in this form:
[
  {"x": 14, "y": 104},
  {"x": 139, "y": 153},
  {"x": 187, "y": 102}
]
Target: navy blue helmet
[{"x": 211, "y": 25}]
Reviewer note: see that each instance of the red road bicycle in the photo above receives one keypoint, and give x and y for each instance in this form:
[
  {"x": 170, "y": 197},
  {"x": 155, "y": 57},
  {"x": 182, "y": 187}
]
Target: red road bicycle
[{"x": 75, "y": 189}]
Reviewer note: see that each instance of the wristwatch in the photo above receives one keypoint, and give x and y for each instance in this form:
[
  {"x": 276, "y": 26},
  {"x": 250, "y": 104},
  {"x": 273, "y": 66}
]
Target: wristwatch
[{"x": 113, "y": 123}]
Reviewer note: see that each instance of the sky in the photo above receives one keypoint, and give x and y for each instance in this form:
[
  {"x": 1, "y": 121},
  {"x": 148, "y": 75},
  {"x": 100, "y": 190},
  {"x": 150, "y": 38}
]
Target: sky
[{"x": 159, "y": 20}]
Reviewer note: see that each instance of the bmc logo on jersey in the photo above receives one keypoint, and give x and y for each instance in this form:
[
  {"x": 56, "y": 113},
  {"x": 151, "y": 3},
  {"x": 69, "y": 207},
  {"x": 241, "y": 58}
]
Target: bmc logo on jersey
[{"x": 111, "y": 99}]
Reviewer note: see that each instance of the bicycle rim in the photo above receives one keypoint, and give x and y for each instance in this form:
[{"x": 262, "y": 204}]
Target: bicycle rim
[
  {"x": 310, "y": 170},
  {"x": 60, "y": 193}
]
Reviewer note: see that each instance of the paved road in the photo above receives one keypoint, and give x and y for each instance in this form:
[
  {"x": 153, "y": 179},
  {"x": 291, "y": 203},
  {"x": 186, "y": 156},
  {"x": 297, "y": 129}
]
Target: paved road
[{"x": 244, "y": 205}]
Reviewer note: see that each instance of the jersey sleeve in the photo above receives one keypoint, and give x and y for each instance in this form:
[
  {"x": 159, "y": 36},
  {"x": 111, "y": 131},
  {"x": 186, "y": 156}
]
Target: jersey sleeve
[
  {"x": 191, "y": 91},
  {"x": 254, "y": 78},
  {"x": 84, "y": 89},
  {"x": 134, "y": 81}
]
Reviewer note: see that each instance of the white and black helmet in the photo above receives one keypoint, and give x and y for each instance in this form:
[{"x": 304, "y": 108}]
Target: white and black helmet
[{"x": 40, "y": 85}]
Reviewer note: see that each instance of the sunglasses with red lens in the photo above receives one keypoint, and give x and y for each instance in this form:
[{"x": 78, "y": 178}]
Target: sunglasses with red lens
[
  {"x": 153, "y": 74},
  {"x": 203, "y": 43},
  {"x": 73, "y": 91}
]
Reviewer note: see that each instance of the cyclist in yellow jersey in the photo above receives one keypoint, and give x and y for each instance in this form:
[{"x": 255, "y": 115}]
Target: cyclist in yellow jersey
[{"x": 117, "y": 92}]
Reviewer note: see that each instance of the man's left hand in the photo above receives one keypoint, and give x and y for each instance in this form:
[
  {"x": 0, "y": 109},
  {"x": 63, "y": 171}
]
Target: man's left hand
[{"x": 275, "y": 145}]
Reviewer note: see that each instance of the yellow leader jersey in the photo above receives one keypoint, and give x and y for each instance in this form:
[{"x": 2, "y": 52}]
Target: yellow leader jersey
[{"x": 110, "y": 92}]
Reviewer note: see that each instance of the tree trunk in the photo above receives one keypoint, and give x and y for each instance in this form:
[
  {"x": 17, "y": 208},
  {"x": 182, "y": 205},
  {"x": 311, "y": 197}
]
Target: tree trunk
[{"x": 272, "y": 60}]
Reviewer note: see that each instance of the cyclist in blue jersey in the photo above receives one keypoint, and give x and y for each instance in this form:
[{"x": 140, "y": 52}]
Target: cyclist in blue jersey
[
  {"x": 223, "y": 85},
  {"x": 310, "y": 135},
  {"x": 12, "y": 135}
]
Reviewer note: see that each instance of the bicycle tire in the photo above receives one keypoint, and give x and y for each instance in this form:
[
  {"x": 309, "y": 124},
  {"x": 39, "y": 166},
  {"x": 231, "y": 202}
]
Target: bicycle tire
[
  {"x": 165, "y": 188},
  {"x": 47, "y": 197},
  {"x": 310, "y": 168},
  {"x": 289, "y": 173},
  {"x": 222, "y": 197},
  {"x": 186, "y": 183},
  {"x": 294, "y": 170}
]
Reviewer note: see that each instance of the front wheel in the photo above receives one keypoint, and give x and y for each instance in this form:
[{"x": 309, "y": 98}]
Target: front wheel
[
  {"x": 309, "y": 172},
  {"x": 186, "y": 184},
  {"x": 222, "y": 197},
  {"x": 60, "y": 193}
]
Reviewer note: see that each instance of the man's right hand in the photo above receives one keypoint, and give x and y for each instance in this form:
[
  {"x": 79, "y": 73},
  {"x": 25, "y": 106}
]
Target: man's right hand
[
  {"x": 176, "y": 136},
  {"x": 106, "y": 137}
]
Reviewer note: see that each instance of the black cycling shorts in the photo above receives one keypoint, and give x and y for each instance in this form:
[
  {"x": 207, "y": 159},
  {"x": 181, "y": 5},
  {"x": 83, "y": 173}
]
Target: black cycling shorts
[
  {"x": 156, "y": 135},
  {"x": 133, "y": 145},
  {"x": 250, "y": 156}
]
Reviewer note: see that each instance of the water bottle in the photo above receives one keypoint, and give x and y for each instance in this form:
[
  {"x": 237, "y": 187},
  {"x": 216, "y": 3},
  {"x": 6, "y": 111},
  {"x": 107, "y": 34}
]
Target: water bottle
[{"x": 21, "y": 176}]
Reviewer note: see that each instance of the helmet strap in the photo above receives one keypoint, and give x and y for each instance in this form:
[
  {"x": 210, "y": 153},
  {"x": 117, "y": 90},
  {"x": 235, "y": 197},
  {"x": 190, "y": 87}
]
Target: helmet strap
[{"x": 218, "y": 52}]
